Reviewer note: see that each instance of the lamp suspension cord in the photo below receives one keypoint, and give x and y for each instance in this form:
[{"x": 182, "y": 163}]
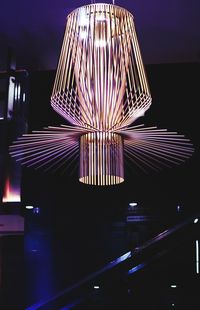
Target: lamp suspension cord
[{"x": 93, "y": 1}]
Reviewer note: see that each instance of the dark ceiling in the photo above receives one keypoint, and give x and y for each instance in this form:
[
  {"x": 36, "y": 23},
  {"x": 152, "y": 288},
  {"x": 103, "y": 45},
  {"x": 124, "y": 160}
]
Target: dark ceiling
[{"x": 168, "y": 31}]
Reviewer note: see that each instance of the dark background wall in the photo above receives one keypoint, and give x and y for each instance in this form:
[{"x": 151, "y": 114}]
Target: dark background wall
[
  {"x": 175, "y": 95},
  {"x": 76, "y": 230}
]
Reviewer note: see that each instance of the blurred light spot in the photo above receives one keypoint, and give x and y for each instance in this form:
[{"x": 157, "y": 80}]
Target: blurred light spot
[
  {"x": 197, "y": 256},
  {"x": 133, "y": 204},
  {"x": 29, "y": 207}
]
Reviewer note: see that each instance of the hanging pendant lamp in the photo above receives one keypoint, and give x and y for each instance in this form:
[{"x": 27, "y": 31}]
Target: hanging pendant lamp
[{"x": 101, "y": 88}]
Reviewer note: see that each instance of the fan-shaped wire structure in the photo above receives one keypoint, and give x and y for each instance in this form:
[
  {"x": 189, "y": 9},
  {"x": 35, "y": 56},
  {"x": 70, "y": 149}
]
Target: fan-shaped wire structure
[
  {"x": 101, "y": 89},
  {"x": 101, "y": 154}
]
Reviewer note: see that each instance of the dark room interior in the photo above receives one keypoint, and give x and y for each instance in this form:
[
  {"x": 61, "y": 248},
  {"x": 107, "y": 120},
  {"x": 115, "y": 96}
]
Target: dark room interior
[{"x": 79, "y": 246}]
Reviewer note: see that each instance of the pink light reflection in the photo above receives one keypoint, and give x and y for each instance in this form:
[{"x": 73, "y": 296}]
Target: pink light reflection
[{"x": 11, "y": 194}]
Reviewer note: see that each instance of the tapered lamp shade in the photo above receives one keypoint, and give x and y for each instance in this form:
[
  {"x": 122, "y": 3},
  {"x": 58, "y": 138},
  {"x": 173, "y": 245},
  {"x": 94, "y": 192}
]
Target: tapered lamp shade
[{"x": 100, "y": 82}]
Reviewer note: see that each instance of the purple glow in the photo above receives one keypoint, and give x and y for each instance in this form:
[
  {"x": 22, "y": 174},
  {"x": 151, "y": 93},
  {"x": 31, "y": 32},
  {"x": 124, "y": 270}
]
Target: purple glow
[
  {"x": 36, "y": 210},
  {"x": 157, "y": 21}
]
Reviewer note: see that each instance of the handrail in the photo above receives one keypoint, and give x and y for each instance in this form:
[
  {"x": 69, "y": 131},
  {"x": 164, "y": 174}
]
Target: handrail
[{"x": 123, "y": 258}]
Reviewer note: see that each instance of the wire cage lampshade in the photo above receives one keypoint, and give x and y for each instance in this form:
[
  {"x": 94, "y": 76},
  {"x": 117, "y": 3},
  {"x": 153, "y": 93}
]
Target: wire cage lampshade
[
  {"x": 100, "y": 89},
  {"x": 100, "y": 82}
]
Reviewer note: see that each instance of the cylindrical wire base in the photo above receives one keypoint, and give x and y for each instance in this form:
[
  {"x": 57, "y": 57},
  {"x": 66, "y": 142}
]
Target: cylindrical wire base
[{"x": 101, "y": 159}]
